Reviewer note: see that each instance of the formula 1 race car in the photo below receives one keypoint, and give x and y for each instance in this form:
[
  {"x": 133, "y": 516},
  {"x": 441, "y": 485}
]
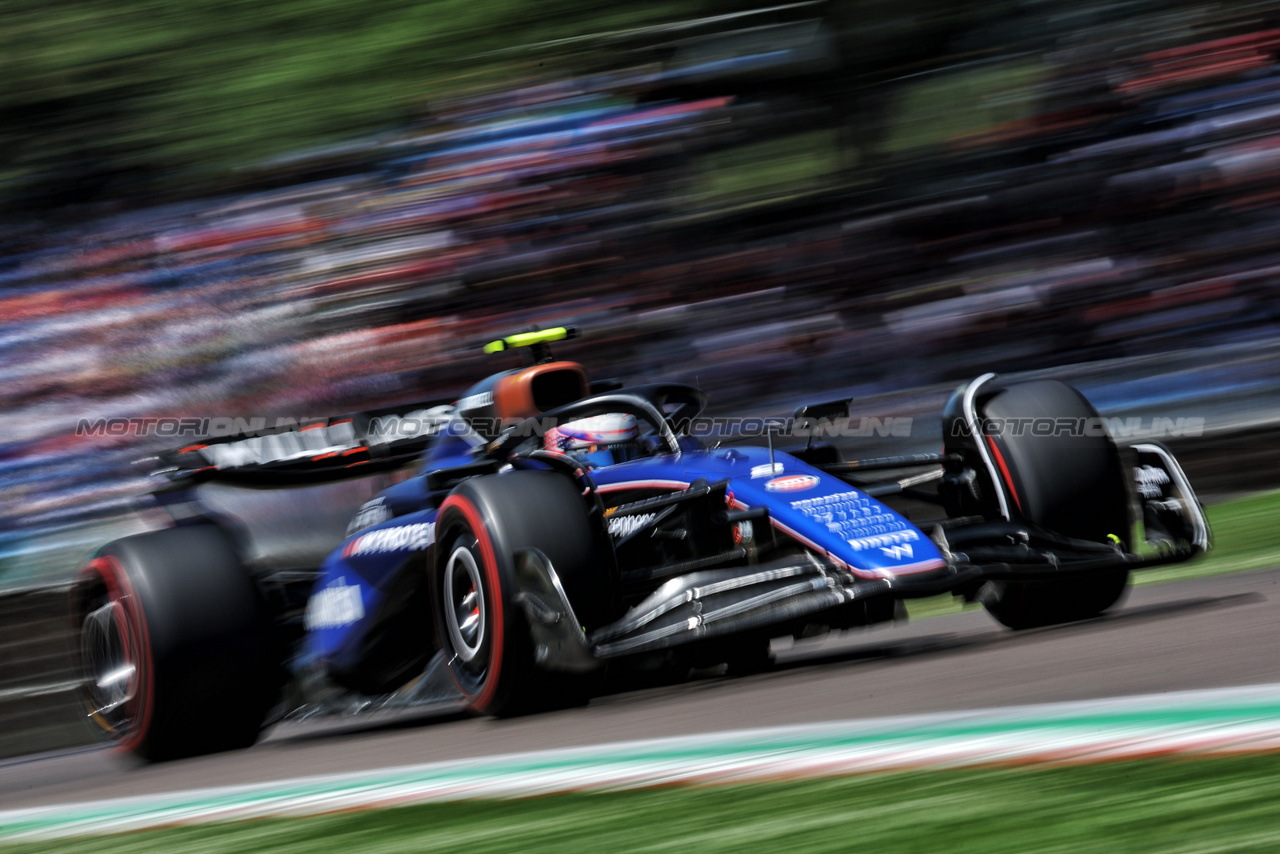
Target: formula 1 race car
[{"x": 543, "y": 528}]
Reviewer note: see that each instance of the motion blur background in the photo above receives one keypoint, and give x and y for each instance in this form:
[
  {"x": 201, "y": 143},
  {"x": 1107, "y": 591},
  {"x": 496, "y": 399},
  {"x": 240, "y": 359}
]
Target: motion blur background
[{"x": 306, "y": 207}]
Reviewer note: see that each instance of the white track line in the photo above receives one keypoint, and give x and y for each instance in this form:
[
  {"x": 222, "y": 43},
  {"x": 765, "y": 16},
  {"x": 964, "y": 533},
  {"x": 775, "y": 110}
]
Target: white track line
[{"x": 1198, "y": 722}]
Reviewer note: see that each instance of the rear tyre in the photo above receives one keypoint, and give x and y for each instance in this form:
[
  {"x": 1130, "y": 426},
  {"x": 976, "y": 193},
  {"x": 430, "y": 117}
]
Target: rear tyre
[
  {"x": 1069, "y": 481},
  {"x": 176, "y": 648},
  {"x": 483, "y": 631}
]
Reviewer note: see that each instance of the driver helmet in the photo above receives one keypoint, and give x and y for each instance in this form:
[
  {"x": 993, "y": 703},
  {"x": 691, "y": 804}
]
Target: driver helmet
[{"x": 600, "y": 440}]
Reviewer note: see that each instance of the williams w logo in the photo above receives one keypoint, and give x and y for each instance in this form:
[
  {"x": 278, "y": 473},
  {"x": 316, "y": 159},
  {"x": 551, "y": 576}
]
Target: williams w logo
[{"x": 897, "y": 552}]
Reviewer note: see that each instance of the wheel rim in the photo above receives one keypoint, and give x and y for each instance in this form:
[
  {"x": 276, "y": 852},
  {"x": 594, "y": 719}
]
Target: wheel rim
[
  {"x": 464, "y": 611},
  {"x": 110, "y": 675}
]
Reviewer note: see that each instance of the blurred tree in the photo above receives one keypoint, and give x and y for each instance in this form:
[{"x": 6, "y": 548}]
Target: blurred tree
[
  {"x": 884, "y": 44},
  {"x": 105, "y": 97},
  {"x": 112, "y": 98}
]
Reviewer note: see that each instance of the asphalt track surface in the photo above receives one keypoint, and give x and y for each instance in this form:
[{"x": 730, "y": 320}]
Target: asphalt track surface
[{"x": 1203, "y": 633}]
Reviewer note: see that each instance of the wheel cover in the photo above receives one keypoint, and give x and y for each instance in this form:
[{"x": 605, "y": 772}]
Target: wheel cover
[
  {"x": 110, "y": 674},
  {"x": 464, "y": 604}
]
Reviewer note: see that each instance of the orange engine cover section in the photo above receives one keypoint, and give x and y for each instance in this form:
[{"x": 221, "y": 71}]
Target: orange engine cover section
[{"x": 533, "y": 390}]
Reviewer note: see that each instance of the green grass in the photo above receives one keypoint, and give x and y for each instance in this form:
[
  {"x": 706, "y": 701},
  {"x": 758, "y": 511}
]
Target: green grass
[
  {"x": 939, "y": 606},
  {"x": 1169, "y": 806},
  {"x": 1245, "y": 536},
  {"x": 940, "y": 109},
  {"x": 785, "y": 165}
]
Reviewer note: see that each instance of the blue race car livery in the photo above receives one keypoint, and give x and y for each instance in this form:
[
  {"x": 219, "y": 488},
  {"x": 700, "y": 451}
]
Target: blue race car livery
[{"x": 543, "y": 529}]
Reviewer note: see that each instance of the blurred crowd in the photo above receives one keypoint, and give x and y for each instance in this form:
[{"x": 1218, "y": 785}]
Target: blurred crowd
[{"x": 1132, "y": 210}]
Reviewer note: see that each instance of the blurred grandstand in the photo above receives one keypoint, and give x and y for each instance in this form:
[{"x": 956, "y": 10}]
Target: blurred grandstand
[{"x": 708, "y": 206}]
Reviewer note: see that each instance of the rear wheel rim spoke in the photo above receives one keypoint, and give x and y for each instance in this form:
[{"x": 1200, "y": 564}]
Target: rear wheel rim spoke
[{"x": 110, "y": 674}]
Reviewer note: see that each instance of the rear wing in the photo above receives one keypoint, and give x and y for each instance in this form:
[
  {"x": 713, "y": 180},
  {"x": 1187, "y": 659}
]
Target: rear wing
[{"x": 323, "y": 450}]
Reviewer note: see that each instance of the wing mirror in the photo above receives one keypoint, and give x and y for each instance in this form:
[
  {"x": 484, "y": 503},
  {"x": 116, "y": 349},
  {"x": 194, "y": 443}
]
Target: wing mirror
[
  {"x": 812, "y": 414},
  {"x": 829, "y": 411}
]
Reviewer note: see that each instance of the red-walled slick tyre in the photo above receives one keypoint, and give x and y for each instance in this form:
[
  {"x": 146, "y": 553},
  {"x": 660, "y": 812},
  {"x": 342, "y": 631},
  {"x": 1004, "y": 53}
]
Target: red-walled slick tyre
[
  {"x": 176, "y": 646},
  {"x": 483, "y": 632}
]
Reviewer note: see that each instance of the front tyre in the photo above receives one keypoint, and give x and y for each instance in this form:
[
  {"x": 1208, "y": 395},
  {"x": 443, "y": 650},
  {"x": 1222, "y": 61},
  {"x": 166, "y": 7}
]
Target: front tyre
[
  {"x": 1031, "y": 605},
  {"x": 1070, "y": 481}
]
